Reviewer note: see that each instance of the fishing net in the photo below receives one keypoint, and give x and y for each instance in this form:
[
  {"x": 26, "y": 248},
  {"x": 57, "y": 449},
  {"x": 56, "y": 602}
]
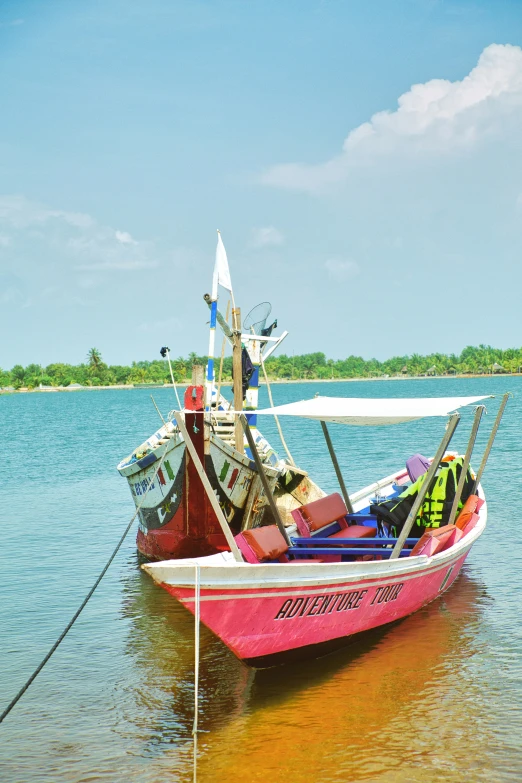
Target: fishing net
[{"x": 256, "y": 319}]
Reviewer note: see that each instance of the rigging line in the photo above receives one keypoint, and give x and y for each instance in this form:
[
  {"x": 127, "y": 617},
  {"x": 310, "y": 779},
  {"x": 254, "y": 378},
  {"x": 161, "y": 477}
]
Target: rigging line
[
  {"x": 173, "y": 381},
  {"x": 157, "y": 409},
  {"x": 269, "y": 390},
  {"x": 68, "y": 627}
]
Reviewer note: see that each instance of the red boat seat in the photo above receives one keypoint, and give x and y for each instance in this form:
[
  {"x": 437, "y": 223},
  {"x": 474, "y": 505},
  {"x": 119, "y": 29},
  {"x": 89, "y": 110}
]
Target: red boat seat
[
  {"x": 472, "y": 505},
  {"x": 324, "y": 511},
  {"x": 433, "y": 541},
  {"x": 314, "y": 516},
  {"x": 470, "y": 524},
  {"x": 355, "y": 531},
  {"x": 261, "y": 544},
  {"x": 317, "y": 515}
]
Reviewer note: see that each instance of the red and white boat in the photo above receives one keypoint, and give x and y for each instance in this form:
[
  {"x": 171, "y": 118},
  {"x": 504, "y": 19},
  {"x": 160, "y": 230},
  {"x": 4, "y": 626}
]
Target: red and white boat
[
  {"x": 175, "y": 517},
  {"x": 273, "y": 596}
]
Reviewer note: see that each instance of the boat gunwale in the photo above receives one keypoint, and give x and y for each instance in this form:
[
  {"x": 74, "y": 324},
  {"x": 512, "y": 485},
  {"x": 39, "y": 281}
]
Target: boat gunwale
[
  {"x": 218, "y": 576},
  {"x": 127, "y": 469}
]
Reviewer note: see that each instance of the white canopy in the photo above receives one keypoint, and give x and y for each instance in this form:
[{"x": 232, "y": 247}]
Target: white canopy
[{"x": 371, "y": 412}]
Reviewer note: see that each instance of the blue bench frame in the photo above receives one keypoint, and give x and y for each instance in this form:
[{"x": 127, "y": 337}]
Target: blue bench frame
[
  {"x": 325, "y": 541},
  {"x": 303, "y": 553},
  {"x": 356, "y": 517}
]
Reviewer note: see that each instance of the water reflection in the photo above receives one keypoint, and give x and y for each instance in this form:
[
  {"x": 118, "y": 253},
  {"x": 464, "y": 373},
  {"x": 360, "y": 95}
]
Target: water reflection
[
  {"x": 399, "y": 698},
  {"x": 161, "y": 644},
  {"x": 115, "y": 702}
]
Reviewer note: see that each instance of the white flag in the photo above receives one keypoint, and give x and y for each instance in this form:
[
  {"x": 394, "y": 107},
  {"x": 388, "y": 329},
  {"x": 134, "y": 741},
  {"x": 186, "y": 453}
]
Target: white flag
[{"x": 221, "y": 270}]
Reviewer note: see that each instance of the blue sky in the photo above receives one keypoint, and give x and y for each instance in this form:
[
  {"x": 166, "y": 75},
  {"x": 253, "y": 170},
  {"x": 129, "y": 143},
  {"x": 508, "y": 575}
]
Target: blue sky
[{"x": 363, "y": 161}]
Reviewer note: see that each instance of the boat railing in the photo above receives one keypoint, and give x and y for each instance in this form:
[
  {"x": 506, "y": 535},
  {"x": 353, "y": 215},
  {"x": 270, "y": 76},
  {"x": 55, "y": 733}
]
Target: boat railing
[{"x": 384, "y": 482}]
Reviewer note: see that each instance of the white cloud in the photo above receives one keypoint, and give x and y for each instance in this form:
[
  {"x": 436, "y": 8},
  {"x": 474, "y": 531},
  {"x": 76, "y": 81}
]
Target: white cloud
[
  {"x": 125, "y": 238},
  {"x": 339, "y": 269},
  {"x": 438, "y": 116},
  {"x": 19, "y": 212},
  {"x": 266, "y": 236},
  {"x": 4, "y": 241},
  {"x": 74, "y": 235}
]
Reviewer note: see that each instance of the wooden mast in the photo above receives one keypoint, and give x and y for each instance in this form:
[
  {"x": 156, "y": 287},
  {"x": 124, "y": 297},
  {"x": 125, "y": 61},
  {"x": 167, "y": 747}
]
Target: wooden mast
[
  {"x": 222, "y": 358},
  {"x": 237, "y": 374}
]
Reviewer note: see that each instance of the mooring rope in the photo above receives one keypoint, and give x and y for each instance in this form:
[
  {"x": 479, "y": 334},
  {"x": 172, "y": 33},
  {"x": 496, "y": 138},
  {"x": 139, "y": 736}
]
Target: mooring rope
[
  {"x": 84, "y": 603},
  {"x": 197, "y": 589}
]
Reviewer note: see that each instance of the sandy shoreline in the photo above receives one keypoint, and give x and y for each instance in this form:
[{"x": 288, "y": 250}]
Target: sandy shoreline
[{"x": 273, "y": 382}]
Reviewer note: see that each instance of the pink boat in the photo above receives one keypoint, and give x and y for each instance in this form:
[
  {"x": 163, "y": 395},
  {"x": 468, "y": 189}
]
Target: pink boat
[{"x": 341, "y": 569}]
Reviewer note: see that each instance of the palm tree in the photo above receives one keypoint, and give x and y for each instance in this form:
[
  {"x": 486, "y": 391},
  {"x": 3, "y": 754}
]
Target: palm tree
[
  {"x": 180, "y": 367},
  {"x": 18, "y": 375},
  {"x": 94, "y": 358}
]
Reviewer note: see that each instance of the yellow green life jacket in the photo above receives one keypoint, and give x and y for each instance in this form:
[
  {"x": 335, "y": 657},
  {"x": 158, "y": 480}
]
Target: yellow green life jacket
[{"x": 437, "y": 504}]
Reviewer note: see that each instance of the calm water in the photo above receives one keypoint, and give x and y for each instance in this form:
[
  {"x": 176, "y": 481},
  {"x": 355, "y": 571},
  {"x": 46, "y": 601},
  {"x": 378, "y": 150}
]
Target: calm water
[{"x": 436, "y": 698}]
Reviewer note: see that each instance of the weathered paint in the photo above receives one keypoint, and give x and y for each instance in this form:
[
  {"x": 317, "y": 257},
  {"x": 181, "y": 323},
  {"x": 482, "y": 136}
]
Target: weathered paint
[{"x": 175, "y": 516}]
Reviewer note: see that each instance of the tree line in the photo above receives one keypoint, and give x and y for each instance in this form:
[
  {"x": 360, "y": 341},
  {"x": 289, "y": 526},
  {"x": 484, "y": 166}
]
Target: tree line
[{"x": 95, "y": 372}]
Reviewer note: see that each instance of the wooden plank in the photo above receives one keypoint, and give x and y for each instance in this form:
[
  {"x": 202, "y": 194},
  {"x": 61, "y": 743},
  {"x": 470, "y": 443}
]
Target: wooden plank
[
  {"x": 198, "y": 375},
  {"x": 252, "y": 501}
]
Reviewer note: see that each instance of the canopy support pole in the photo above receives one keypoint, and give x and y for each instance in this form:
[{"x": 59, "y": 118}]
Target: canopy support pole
[
  {"x": 490, "y": 441},
  {"x": 419, "y": 500},
  {"x": 465, "y": 465},
  {"x": 264, "y": 481},
  {"x": 338, "y": 473},
  {"x": 208, "y": 488}
]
